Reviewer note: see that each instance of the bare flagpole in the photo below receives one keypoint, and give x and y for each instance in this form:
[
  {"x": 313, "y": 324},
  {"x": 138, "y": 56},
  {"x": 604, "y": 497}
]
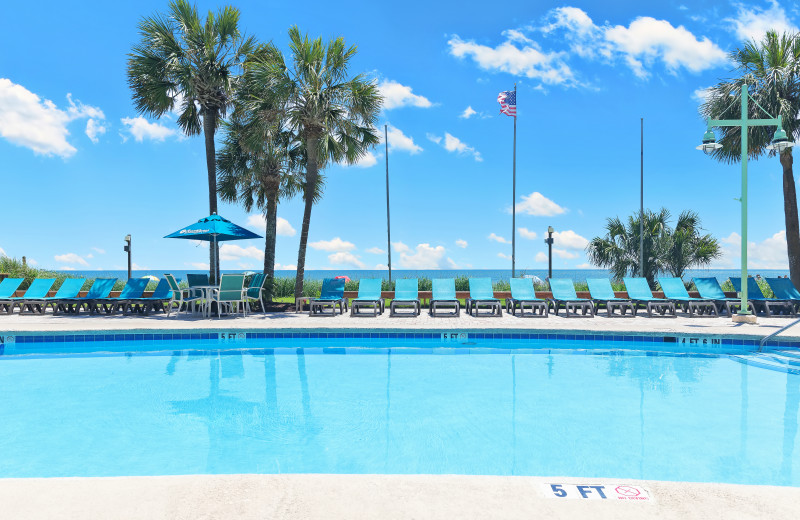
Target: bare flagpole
[
  {"x": 514, "y": 197},
  {"x": 641, "y": 199},
  {"x": 388, "y": 224}
]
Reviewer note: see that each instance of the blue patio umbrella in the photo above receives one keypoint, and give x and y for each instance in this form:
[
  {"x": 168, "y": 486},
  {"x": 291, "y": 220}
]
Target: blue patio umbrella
[{"x": 214, "y": 229}]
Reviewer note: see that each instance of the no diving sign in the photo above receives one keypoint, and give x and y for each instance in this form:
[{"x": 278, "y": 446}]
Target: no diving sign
[{"x": 614, "y": 492}]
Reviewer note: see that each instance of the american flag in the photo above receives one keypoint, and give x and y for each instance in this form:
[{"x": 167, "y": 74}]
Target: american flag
[{"x": 508, "y": 103}]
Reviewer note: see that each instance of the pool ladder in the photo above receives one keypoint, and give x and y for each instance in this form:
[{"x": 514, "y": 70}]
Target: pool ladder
[{"x": 767, "y": 338}]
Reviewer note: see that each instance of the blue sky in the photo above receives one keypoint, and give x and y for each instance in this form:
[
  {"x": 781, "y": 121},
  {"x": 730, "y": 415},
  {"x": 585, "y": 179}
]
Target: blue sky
[{"x": 81, "y": 169}]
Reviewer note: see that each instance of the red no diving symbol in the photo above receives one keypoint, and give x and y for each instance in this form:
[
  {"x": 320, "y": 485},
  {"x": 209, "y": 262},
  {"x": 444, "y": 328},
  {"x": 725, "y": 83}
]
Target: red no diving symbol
[{"x": 628, "y": 491}]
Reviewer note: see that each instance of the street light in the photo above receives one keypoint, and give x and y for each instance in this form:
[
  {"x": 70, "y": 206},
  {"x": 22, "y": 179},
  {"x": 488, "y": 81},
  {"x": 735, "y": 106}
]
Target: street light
[
  {"x": 549, "y": 242},
  {"x": 127, "y": 249},
  {"x": 779, "y": 143}
]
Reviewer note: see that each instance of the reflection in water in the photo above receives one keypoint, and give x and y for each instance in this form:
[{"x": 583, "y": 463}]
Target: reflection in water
[
  {"x": 173, "y": 361},
  {"x": 513, "y": 415},
  {"x": 388, "y": 406},
  {"x": 743, "y": 421}
]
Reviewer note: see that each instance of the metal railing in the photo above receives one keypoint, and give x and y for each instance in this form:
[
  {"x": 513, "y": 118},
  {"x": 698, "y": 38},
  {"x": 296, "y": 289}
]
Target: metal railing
[{"x": 769, "y": 337}]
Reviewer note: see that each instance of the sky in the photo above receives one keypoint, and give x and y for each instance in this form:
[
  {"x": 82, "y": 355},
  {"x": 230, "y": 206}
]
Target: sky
[{"x": 80, "y": 168}]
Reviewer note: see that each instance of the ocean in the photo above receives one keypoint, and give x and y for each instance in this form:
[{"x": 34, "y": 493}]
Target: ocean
[{"x": 576, "y": 275}]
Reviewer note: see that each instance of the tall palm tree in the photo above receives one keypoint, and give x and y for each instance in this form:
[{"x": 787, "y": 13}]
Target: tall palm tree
[
  {"x": 185, "y": 63},
  {"x": 666, "y": 250},
  {"x": 771, "y": 70},
  {"x": 332, "y": 113},
  {"x": 257, "y": 166}
]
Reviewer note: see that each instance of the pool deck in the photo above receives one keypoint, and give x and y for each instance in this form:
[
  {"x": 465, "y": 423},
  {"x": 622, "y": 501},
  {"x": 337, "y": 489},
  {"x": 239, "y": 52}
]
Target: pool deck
[
  {"x": 292, "y": 321},
  {"x": 374, "y": 496}
]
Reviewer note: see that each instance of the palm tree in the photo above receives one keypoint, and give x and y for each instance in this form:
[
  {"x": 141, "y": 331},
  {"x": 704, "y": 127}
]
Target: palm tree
[
  {"x": 665, "y": 249},
  {"x": 771, "y": 70},
  {"x": 257, "y": 166},
  {"x": 182, "y": 62},
  {"x": 688, "y": 247},
  {"x": 333, "y": 114}
]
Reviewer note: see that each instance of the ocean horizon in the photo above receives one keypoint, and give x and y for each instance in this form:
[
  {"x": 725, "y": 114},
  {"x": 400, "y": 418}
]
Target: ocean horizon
[{"x": 576, "y": 275}]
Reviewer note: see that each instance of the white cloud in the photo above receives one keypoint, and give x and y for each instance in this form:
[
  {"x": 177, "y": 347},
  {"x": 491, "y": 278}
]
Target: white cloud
[
  {"x": 334, "y": 245},
  {"x": 200, "y": 266},
  {"x": 94, "y": 129},
  {"x": 771, "y": 253},
  {"x": 283, "y": 228},
  {"x": 141, "y": 129},
  {"x": 396, "y": 95},
  {"x": 137, "y": 267},
  {"x": 38, "y": 124},
  {"x": 399, "y": 141},
  {"x": 400, "y": 247},
  {"x": 504, "y": 256},
  {"x": 98, "y": 250},
  {"x": 569, "y": 240},
  {"x": 425, "y": 257},
  {"x": 499, "y": 239},
  {"x": 71, "y": 258},
  {"x": 467, "y": 113},
  {"x": 30, "y": 261},
  {"x": 376, "y": 251},
  {"x": 346, "y": 258},
  {"x": 434, "y": 138},
  {"x": 287, "y": 267},
  {"x": 518, "y": 56},
  {"x": 700, "y": 95},
  {"x": 90, "y": 255},
  {"x": 585, "y": 265},
  {"x": 2, "y": 253},
  {"x": 753, "y": 23},
  {"x": 540, "y": 257},
  {"x": 454, "y": 144},
  {"x": 526, "y": 233},
  {"x": 367, "y": 160},
  {"x": 538, "y": 205},
  {"x": 66, "y": 268},
  {"x": 563, "y": 253},
  {"x": 234, "y": 252},
  {"x": 461, "y": 243}
]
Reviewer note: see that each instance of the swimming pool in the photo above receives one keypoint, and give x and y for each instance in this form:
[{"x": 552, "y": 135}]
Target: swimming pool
[{"x": 633, "y": 409}]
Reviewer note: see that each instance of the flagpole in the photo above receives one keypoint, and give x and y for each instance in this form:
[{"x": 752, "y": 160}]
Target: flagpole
[
  {"x": 514, "y": 197},
  {"x": 388, "y": 222}
]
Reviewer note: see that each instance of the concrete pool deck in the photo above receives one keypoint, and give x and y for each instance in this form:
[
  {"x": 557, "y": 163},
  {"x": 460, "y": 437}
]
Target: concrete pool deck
[
  {"x": 374, "y": 496},
  {"x": 291, "y": 321}
]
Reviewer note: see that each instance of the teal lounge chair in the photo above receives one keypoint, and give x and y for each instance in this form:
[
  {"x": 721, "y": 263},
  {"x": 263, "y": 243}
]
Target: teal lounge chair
[
  {"x": 256, "y": 290},
  {"x": 183, "y": 298},
  {"x": 68, "y": 291},
  {"x": 99, "y": 290},
  {"x": 481, "y": 294},
  {"x": 7, "y": 289},
  {"x": 134, "y": 289},
  {"x": 710, "y": 289},
  {"x": 331, "y": 295},
  {"x": 675, "y": 291},
  {"x": 564, "y": 295},
  {"x": 444, "y": 296},
  {"x": 369, "y": 296},
  {"x": 33, "y": 299},
  {"x": 760, "y": 302},
  {"x": 603, "y": 294},
  {"x": 522, "y": 294},
  {"x": 406, "y": 294},
  {"x": 162, "y": 295},
  {"x": 784, "y": 289},
  {"x": 640, "y": 294},
  {"x": 231, "y": 291}
]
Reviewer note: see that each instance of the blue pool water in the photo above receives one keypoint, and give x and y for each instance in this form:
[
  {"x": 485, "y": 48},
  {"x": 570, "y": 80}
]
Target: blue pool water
[{"x": 277, "y": 407}]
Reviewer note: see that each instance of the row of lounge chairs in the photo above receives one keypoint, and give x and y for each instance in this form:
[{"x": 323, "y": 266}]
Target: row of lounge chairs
[
  {"x": 166, "y": 295},
  {"x": 712, "y": 300}
]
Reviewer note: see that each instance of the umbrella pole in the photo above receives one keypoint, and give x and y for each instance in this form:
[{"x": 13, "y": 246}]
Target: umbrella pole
[{"x": 216, "y": 255}]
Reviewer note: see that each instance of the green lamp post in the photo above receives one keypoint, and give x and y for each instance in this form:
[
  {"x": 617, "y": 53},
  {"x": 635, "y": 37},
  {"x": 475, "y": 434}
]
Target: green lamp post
[{"x": 779, "y": 143}]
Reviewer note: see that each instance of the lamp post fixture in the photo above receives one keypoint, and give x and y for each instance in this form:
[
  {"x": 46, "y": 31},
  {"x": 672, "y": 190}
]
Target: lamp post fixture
[
  {"x": 779, "y": 143},
  {"x": 549, "y": 242},
  {"x": 127, "y": 249}
]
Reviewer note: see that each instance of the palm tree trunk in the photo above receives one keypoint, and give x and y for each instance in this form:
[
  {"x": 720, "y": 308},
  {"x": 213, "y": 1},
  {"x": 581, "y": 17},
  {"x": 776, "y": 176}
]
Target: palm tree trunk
[
  {"x": 790, "y": 214},
  {"x": 269, "y": 246},
  {"x": 311, "y": 181},
  {"x": 209, "y": 126}
]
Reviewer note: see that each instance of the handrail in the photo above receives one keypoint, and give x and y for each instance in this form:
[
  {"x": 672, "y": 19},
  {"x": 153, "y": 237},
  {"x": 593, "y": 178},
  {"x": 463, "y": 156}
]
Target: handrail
[{"x": 767, "y": 338}]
